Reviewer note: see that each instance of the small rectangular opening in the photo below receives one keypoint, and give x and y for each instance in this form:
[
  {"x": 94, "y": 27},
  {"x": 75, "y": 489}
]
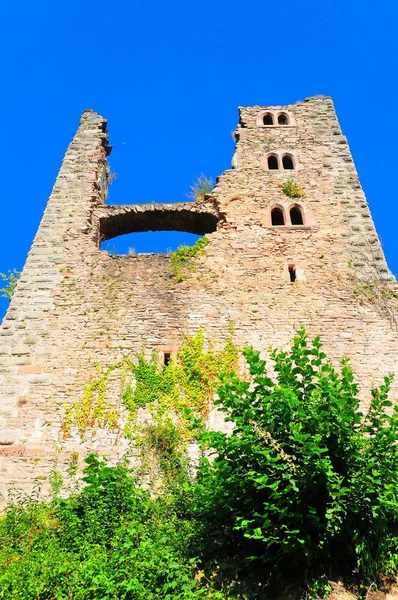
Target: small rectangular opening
[
  {"x": 292, "y": 273},
  {"x": 166, "y": 358}
]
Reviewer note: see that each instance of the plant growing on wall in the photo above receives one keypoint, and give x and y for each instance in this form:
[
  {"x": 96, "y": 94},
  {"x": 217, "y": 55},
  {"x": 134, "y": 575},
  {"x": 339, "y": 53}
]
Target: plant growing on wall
[
  {"x": 304, "y": 484},
  {"x": 292, "y": 190},
  {"x": 184, "y": 258},
  {"x": 375, "y": 291},
  {"x": 9, "y": 280},
  {"x": 201, "y": 188},
  {"x": 189, "y": 382}
]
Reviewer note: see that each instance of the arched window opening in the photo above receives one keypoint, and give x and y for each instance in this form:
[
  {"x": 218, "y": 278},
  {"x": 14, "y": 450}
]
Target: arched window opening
[
  {"x": 277, "y": 217},
  {"x": 296, "y": 216},
  {"x": 292, "y": 273},
  {"x": 283, "y": 119},
  {"x": 268, "y": 119},
  {"x": 153, "y": 228},
  {"x": 287, "y": 162},
  {"x": 273, "y": 163}
]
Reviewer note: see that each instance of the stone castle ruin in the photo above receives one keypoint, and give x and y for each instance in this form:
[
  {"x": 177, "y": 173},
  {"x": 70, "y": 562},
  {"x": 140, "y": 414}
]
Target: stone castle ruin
[{"x": 291, "y": 242}]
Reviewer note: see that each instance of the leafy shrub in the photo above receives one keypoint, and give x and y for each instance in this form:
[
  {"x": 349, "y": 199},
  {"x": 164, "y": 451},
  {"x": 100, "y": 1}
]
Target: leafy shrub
[
  {"x": 304, "y": 480},
  {"x": 292, "y": 190},
  {"x": 304, "y": 483},
  {"x": 110, "y": 541}
]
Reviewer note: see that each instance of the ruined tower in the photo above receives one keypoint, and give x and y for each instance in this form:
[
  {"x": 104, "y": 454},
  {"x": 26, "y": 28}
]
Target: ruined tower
[{"x": 291, "y": 242}]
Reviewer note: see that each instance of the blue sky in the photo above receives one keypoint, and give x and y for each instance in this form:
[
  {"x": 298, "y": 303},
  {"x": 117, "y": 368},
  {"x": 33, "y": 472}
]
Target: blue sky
[{"x": 169, "y": 77}]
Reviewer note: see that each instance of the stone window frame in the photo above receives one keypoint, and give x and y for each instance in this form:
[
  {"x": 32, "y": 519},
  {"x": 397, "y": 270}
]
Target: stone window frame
[
  {"x": 283, "y": 114},
  {"x": 299, "y": 272},
  {"x": 272, "y": 115},
  {"x": 291, "y": 156},
  {"x": 168, "y": 349},
  {"x": 280, "y": 207},
  {"x": 285, "y": 207},
  {"x": 275, "y": 114},
  {"x": 279, "y": 154},
  {"x": 300, "y": 208},
  {"x": 278, "y": 159}
]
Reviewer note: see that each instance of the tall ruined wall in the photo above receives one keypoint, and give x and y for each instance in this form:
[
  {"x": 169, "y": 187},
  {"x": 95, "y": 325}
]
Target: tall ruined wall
[{"x": 75, "y": 305}]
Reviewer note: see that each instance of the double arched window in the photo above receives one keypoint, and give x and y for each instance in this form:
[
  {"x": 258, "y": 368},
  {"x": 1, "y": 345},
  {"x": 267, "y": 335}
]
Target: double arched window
[
  {"x": 274, "y": 118},
  {"x": 274, "y": 161},
  {"x": 295, "y": 216}
]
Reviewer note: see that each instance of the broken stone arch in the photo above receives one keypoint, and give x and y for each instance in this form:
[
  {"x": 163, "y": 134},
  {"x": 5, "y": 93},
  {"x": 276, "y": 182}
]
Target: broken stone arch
[{"x": 135, "y": 218}]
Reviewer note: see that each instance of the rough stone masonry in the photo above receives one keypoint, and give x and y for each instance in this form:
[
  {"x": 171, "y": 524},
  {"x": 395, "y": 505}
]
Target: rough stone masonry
[{"x": 273, "y": 263}]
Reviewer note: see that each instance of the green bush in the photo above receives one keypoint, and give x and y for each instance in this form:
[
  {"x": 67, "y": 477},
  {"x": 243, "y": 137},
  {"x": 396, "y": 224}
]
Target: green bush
[
  {"x": 110, "y": 541},
  {"x": 305, "y": 484},
  {"x": 292, "y": 190},
  {"x": 305, "y": 481}
]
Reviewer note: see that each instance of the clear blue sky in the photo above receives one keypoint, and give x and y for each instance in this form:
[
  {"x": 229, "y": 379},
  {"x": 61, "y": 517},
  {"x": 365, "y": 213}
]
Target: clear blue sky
[{"x": 169, "y": 77}]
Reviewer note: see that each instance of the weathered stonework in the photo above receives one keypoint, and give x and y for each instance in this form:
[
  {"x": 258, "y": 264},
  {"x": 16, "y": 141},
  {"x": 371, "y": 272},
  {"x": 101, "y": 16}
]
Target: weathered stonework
[{"x": 76, "y": 305}]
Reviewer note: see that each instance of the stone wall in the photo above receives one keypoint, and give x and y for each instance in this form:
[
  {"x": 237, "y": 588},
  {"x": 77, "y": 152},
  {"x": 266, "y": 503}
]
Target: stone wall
[{"x": 76, "y": 305}]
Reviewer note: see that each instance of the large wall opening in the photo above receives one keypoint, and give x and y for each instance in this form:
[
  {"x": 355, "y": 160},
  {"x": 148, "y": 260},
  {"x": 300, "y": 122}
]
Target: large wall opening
[
  {"x": 160, "y": 242},
  {"x": 135, "y": 229}
]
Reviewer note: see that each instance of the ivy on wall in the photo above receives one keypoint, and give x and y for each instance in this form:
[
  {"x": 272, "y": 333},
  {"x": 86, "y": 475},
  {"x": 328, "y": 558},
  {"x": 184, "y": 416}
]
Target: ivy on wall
[
  {"x": 184, "y": 258},
  {"x": 171, "y": 394}
]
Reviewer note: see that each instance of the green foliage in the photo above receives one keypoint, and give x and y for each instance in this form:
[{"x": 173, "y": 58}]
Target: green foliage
[
  {"x": 320, "y": 587},
  {"x": 10, "y": 280},
  {"x": 174, "y": 394},
  {"x": 183, "y": 259},
  {"x": 304, "y": 480},
  {"x": 201, "y": 188},
  {"x": 167, "y": 391},
  {"x": 189, "y": 382},
  {"x": 292, "y": 190},
  {"x": 92, "y": 411},
  {"x": 303, "y": 484},
  {"x": 373, "y": 291},
  {"x": 112, "y": 540}
]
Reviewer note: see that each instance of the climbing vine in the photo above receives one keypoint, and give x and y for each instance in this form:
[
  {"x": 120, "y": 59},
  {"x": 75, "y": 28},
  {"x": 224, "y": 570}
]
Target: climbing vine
[
  {"x": 183, "y": 259},
  {"x": 170, "y": 393},
  {"x": 91, "y": 411},
  {"x": 378, "y": 293}
]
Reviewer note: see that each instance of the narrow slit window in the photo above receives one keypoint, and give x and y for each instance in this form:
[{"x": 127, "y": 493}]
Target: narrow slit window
[
  {"x": 166, "y": 358},
  {"x": 283, "y": 119},
  {"x": 277, "y": 217},
  {"x": 273, "y": 164},
  {"x": 292, "y": 273},
  {"x": 268, "y": 119},
  {"x": 287, "y": 162},
  {"x": 296, "y": 216}
]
